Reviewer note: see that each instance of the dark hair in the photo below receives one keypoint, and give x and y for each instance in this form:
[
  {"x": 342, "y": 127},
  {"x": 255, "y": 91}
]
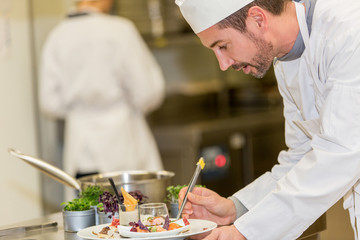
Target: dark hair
[{"x": 238, "y": 18}]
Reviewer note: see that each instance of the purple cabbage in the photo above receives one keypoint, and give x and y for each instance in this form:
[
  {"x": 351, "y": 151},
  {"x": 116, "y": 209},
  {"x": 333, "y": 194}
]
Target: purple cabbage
[
  {"x": 138, "y": 224},
  {"x": 166, "y": 223},
  {"x": 110, "y": 203}
]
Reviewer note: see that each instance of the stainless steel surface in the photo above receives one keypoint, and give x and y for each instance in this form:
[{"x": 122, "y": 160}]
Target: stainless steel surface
[
  {"x": 58, "y": 233},
  {"x": 24, "y": 229},
  {"x": 190, "y": 188},
  {"x": 151, "y": 184}
]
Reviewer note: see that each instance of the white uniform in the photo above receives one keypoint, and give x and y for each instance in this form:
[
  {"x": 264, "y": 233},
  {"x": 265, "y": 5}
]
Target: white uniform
[
  {"x": 321, "y": 92},
  {"x": 98, "y": 74}
]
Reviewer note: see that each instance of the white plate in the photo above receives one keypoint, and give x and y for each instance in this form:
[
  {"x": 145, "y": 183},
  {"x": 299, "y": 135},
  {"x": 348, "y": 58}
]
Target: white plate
[
  {"x": 125, "y": 231},
  {"x": 196, "y": 226}
]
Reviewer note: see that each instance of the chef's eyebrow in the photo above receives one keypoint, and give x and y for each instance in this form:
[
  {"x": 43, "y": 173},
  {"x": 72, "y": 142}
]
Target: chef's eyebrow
[{"x": 214, "y": 43}]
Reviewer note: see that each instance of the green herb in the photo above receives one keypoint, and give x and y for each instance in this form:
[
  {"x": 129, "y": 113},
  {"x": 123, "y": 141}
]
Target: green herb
[
  {"x": 173, "y": 192},
  {"x": 77, "y": 204},
  {"x": 92, "y": 193}
]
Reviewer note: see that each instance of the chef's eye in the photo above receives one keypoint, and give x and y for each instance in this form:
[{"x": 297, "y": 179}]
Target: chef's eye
[{"x": 222, "y": 47}]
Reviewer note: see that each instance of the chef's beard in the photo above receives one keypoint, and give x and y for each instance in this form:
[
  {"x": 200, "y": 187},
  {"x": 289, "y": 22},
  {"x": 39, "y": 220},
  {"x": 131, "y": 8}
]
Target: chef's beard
[{"x": 263, "y": 59}]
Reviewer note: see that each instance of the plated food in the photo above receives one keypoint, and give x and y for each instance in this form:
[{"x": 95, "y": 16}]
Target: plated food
[
  {"x": 108, "y": 232},
  {"x": 138, "y": 229},
  {"x": 169, "y": 228},
  {"x": 153, "y": 214},
  {"x": 196, "y": 226}
]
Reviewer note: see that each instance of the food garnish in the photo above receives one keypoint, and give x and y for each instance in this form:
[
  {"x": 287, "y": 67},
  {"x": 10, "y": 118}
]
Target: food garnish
[
  {"x": 186, "y": 222},
  {"x": 167, "y": 223},
  {"x": 111, "y": 231},
  {"x": 108, "y": 203},
  {"x": 92, "y": 194},
  {"x": 168, "y": 226},
  {"x": 201, "y": 163},
  {"x": 138, "y": 195},
  {"x": 115, "y": 222},
  {"x": 138, "y": 227},
  {"x": 107, "y": 232},
  {"x": 129, "y": 201},
  {"x": 173, "y": 226}
]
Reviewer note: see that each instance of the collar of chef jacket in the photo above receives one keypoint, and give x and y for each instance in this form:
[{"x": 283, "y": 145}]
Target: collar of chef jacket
[{"x": 299, "y": 46}]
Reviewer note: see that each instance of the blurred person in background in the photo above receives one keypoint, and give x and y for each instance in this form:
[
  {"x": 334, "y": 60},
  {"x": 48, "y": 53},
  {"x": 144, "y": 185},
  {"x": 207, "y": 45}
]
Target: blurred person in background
[{"x": 98, "y": 75}]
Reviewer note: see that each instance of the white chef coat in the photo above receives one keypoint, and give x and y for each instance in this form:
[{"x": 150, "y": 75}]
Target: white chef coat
[
  {"x": 98, "y": 74},
  {"x": 321, "y": 94}
]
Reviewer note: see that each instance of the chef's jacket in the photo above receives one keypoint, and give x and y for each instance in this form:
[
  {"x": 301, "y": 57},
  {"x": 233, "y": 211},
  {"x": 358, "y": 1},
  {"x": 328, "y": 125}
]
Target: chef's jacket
[
  {"x": 98, "y": 74},
  {"x": 321, "y": 96}
]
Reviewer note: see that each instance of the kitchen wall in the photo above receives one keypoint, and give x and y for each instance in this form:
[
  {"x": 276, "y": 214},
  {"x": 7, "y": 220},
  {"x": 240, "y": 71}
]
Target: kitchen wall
[
  {"x": 24, "y": 26},
  {"x": 20, "y": 183},
  {"x": 46, "y": 15}
]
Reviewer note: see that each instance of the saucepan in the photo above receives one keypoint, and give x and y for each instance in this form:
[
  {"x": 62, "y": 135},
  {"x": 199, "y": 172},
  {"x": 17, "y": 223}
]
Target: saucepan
[{"x": 152, "y": 184}]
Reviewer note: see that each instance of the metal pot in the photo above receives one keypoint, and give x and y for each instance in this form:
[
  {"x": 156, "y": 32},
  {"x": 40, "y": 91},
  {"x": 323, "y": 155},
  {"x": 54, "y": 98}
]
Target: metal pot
[{"x": 151, "y": 184}]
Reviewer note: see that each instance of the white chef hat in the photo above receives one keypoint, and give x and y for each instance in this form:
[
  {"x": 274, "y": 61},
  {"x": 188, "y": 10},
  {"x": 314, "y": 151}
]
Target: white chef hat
[{"x": 202, "y": 14}]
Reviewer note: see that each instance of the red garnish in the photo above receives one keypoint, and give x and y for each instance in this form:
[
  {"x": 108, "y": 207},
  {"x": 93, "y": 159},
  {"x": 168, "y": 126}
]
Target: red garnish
[
  {"x": 115, "y": 222},
  {"x": 186, "y": 222}
]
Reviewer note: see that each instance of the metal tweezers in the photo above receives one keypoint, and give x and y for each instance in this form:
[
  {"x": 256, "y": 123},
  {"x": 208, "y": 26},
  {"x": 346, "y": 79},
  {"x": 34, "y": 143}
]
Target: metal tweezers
[{"x": 190, "y": 188}]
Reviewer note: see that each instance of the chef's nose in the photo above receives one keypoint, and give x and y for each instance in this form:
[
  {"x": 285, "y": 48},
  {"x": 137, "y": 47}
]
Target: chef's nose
[{"x": 224, "y": 62}]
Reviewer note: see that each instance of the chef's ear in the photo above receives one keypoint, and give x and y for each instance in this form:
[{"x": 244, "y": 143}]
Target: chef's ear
[{"x": 258, "y": 17}]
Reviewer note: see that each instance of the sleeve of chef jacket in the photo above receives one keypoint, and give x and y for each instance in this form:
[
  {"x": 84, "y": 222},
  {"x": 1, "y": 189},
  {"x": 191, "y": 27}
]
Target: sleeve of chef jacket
[
  {"x": 284, "y": 203},
  {"x": 144, "y": 82}
]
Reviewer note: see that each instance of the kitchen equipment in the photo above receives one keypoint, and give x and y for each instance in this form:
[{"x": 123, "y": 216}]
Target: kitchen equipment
[
  {"x": 151, "y": 184},
  {"x": 152, "y": 17},
  {"x": 199, "y": 166},
  {"x": 236, "y": 149},
  {"x": 115, "y": 190},
  {"x": 25, "y": 229}
]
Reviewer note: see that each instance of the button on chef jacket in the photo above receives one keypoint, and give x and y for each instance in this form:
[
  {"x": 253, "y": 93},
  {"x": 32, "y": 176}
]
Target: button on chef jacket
[
  {"x": 322, "y": 128},
  {"x": 98, "y": 74}
]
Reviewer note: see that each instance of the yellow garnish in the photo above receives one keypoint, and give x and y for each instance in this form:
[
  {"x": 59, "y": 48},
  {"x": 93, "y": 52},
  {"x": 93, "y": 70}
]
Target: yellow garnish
[
  {"x": 201, "y": 163},
  {"x": 129, "y": 201}
]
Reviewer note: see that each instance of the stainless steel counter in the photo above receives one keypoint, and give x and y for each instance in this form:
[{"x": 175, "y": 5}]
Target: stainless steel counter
[{"x": 58, "y": 233}]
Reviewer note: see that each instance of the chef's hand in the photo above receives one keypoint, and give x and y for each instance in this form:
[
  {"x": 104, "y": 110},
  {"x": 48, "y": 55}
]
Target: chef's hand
[
  {"x": 223, "y": 233},
  {"x": 204, "y": 203}
]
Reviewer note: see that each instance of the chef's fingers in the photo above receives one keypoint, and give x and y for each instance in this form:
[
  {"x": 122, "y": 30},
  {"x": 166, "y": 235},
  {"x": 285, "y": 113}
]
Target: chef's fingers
[
  {"x": 182, "y": 194},
  {"x": 214, "y": 235},
  {"x": 197, "y": 199},
  {"x": 186, "y": 215},
  {"x": 200, "y": 236},
  {"x": 225, "y": 233}
]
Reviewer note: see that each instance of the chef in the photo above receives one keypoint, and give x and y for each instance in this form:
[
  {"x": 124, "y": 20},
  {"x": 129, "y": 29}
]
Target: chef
[
  {"x": 98, "y": 74},
  {"x": 314, "y": 46}
]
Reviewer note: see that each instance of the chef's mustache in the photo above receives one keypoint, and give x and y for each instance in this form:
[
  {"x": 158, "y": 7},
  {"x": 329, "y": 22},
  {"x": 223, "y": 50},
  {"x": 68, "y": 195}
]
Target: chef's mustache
[{"x": 239, "y": 66}]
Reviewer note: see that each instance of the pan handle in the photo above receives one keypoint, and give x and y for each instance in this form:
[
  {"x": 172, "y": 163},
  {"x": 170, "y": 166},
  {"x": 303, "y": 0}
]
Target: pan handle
[{"x": 48, "y": 169}]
